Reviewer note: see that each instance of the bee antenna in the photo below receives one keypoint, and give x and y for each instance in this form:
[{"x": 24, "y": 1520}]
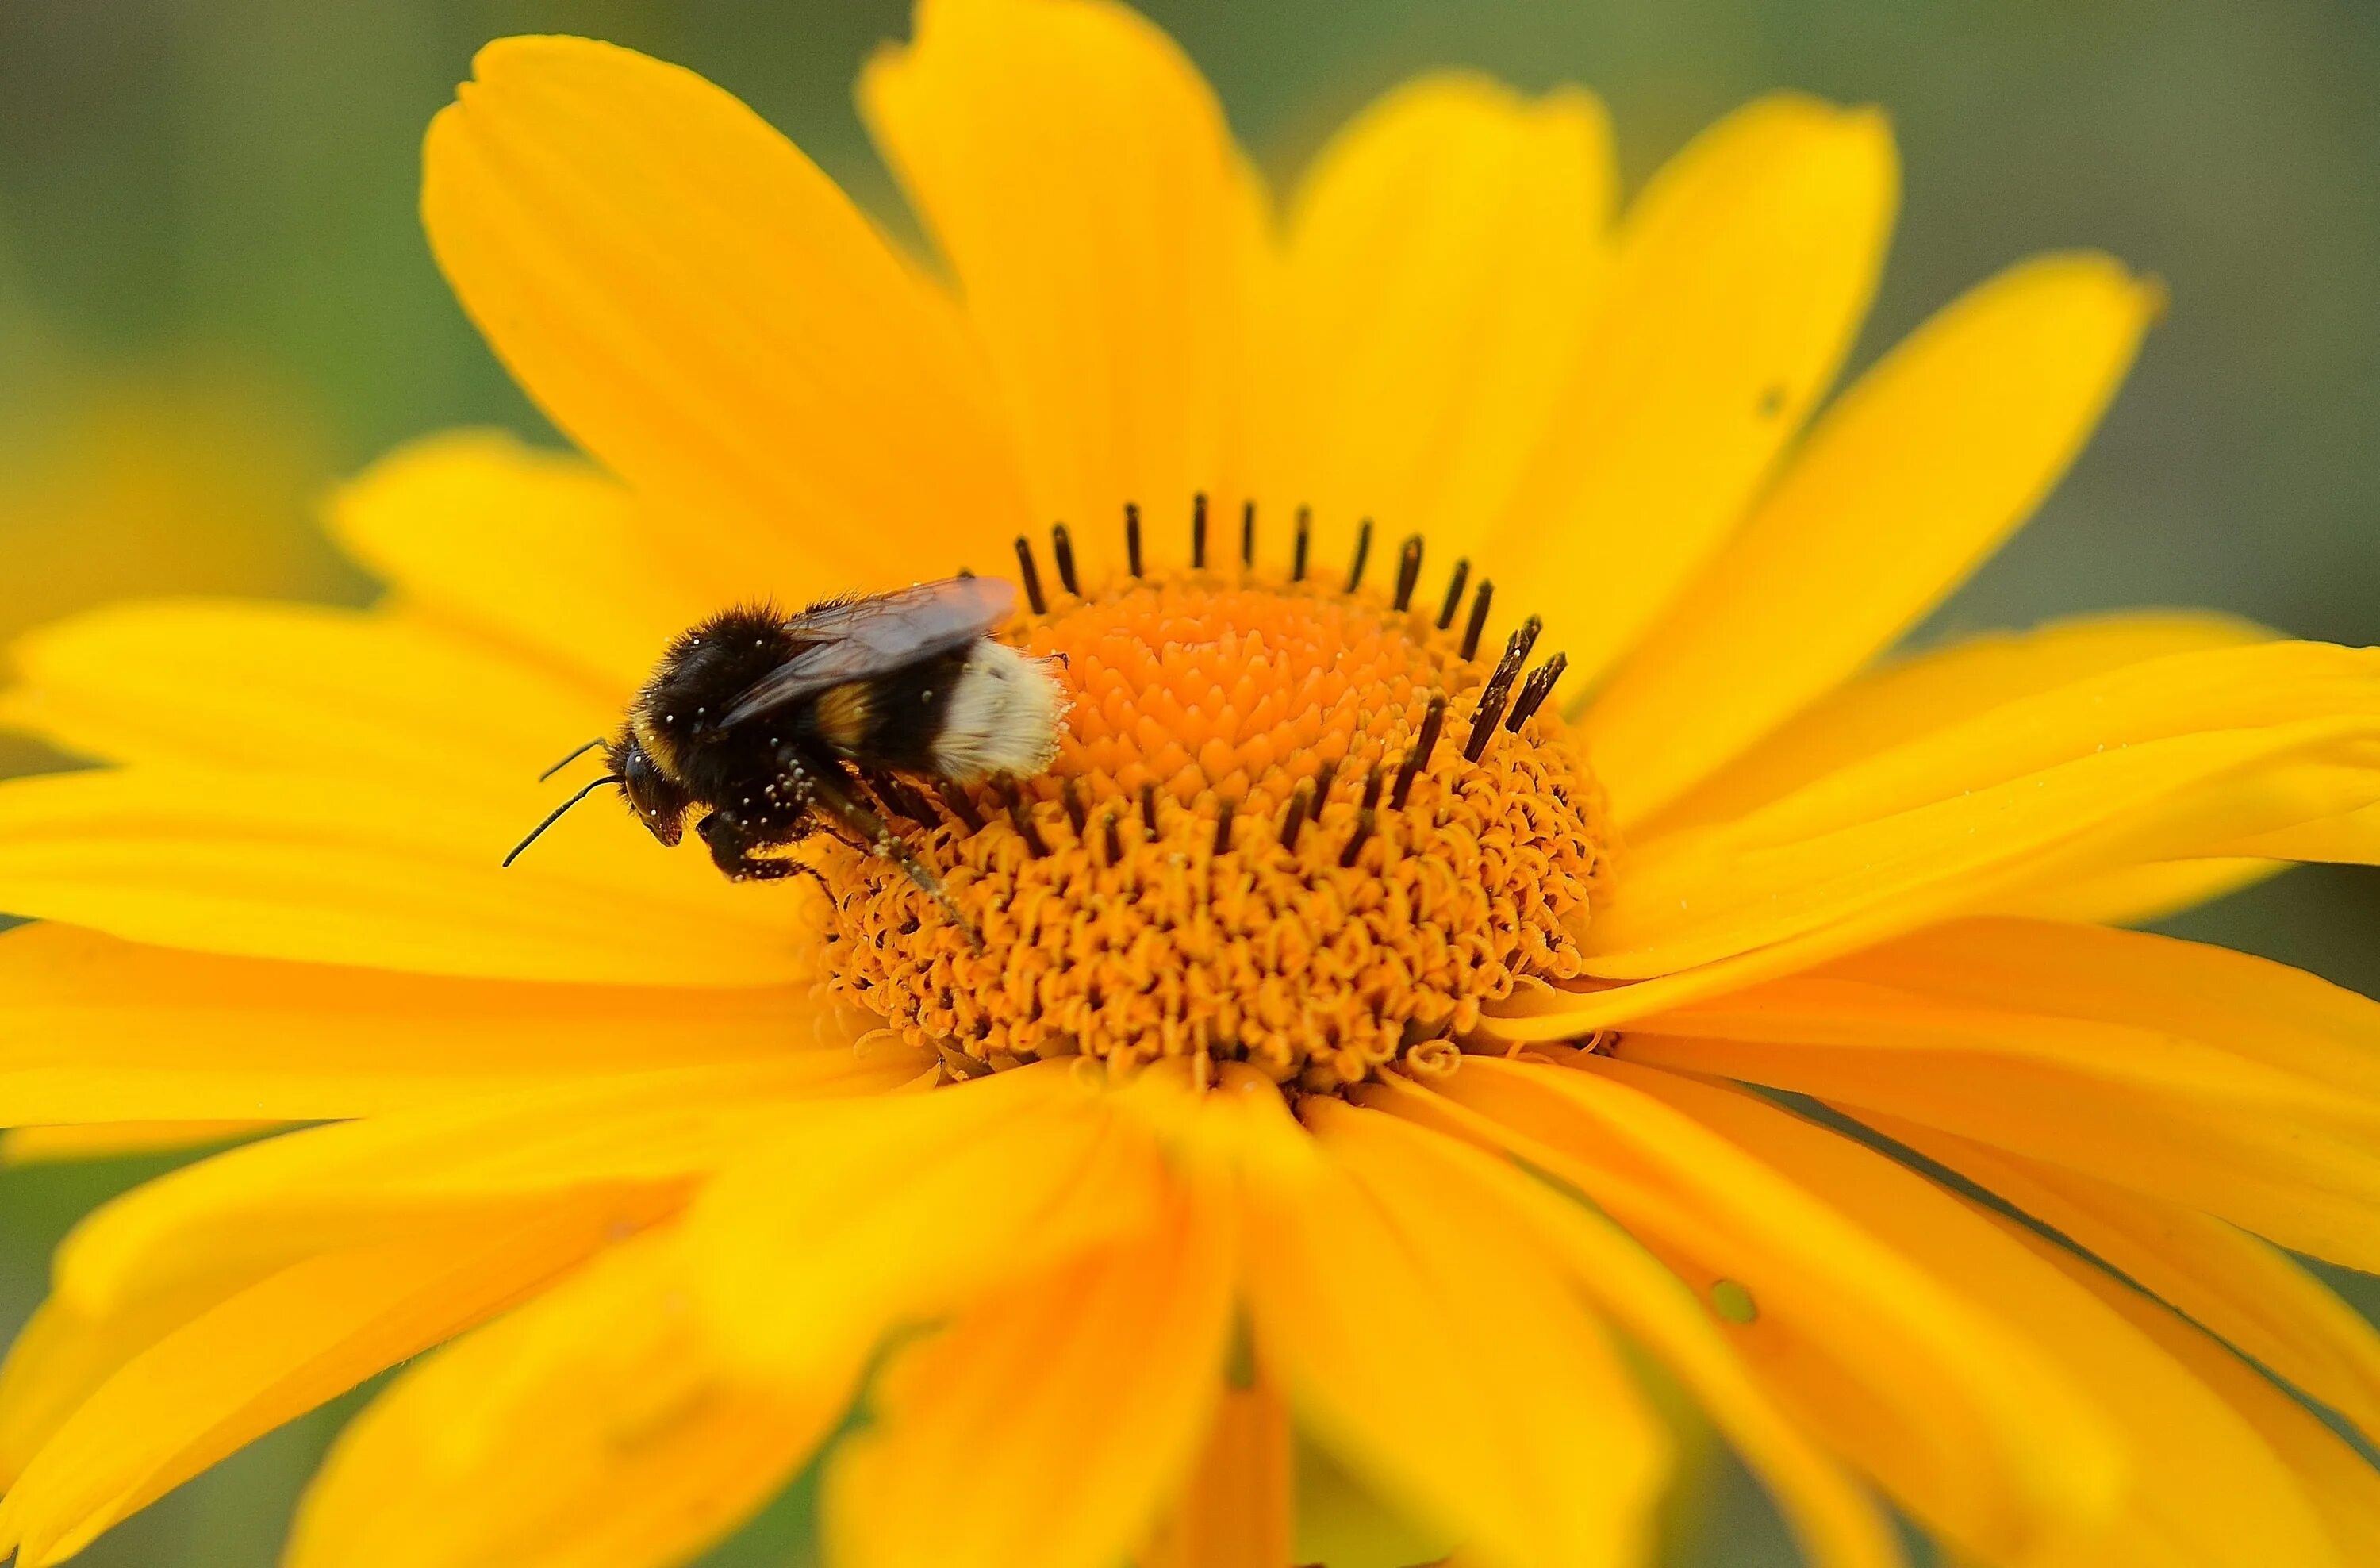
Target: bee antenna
[
  {"x": 569, "y": 759},
  {"x": 556, "y": 815}
]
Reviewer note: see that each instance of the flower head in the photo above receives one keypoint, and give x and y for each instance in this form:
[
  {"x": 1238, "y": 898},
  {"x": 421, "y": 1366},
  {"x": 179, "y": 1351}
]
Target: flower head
[{"x": 1328, "y": 1077}]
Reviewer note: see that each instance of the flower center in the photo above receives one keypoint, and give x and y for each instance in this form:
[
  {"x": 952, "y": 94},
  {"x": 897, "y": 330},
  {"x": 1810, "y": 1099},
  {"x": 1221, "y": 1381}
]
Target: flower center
[{"x": 1301, "y": 825}]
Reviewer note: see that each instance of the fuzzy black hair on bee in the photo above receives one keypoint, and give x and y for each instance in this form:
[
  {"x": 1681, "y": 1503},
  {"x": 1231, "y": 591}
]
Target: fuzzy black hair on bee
[{"x": 766, "y": 722}]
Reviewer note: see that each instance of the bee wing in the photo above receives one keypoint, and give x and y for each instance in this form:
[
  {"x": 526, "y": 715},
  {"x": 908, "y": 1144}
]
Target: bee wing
[{"x": 859, "y": 638}]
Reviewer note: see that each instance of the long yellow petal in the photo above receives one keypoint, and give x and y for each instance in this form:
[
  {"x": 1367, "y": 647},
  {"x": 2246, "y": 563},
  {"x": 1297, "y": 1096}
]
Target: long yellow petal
[
  {"x": 1443, "y": 256},
  {"x": 1076, "y": 173},
  {"x": 1240, "y": 1504},
  {"x": 266, "y": 1354},
  {"x": 638, "y": 1142},
  {"x": 1741, "y": 274},
  {"x": 1050, "y": 1422},
  {"x": 700, "y": 308},
  {"x": 1915, "y": 475},
  {"x": 1837, "y": 1522},
  {"x": 380, "y": 874},
  {"x": 1927, "y": 692},
  {"x": 292, "y": 689},
  {"x": 2340, "y": 1483},
  {"x": 2133, "y": 895},
  {"x": 1950, "y": 1409},
  {"x": 592, "y": 1427},
  {"x": 94, "y": 1029},
  {"x": 2153, "y": 761},
  {"x": 2271, "y": 1012},
  {"x": 534, "y": 548},
  {"x": 899, "y": 1210},
  {"x": 2158, "y": 1113},
  {"x": 1443, "y": 1359},
  {"x": 2205, "y": 1487},
  {"x": 44, "y": 1143},
  {"x": 2247, "y": 1290}
]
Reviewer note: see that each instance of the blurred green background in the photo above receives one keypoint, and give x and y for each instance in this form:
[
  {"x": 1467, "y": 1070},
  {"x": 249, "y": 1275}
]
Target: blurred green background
[{"x": 215, "y": 298}]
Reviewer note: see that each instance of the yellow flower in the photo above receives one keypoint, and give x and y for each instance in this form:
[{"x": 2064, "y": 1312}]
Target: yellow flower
[{"x": 1352, "y": 1065}]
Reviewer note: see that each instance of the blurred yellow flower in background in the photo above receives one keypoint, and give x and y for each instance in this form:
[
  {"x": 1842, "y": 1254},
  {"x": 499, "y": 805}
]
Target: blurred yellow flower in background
[
  {"x": 1355, "y": 1056},
  {"x": 167, "y": 479}
]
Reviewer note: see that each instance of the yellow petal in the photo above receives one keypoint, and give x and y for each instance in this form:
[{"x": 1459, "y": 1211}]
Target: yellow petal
[
  {"x": 2351, "y": 838},
  {"x": 110, "y": 1140},
  {"x": 2204, "y": 1486},
  {"x": 1443, "y": 1359},
  {"x": 1078, "y": 177},
  {"x": 534, "y": 548},
  {"x": 1443, "y": 255},
  {"x": 1904, "y": 486},
  {"x": 2153, "y": 761},
  {"x": 700, "y": 308},
  {"x": 94, "y": 1029},
  {"x": 2158, "y": 1113},
  {"x": 2341, "y": 1484},
  {"x": 1927, "y": 692},
  {"x": 639, "y": 1142},
  {"x": 1050, "y": 1421},
  {"x": 379, "y": 874},
  {"x": 266, "y": 1354},
  {"x": 1950, "y": 1409},
  {"x": 590, "y": 1428},
  {"x": 2283, "y": 1017},
  {"x": 2133, "y": 895},
  {"x": 1240, "y": 1504},
  {"x": 1837, "y": 1524},
  {"x": 292, "y": 689},
  {"x": 1741, "y": 274},
  {"x": 2251, "y": 1294},
  {"x": 2187, "y": 1073},
  {"x": 896, "y": 1211}
]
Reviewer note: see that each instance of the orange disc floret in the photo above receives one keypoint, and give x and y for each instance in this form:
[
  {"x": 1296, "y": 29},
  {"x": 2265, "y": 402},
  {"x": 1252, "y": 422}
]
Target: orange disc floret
[{"x": 1278, "y": 830}]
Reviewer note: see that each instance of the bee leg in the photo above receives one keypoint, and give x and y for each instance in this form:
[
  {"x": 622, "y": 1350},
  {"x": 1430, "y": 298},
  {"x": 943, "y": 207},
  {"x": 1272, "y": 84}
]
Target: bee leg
[
  {"x": 732, "y": 842},
  {"x": 840, "y": 807}
]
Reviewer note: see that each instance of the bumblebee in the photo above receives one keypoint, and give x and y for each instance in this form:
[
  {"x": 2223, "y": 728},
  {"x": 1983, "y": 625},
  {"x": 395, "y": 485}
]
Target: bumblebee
[{"x": 769, "y": 722}]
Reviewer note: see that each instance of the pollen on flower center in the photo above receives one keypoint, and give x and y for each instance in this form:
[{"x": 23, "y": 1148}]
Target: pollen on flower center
[{"x": 1306, "y": 824}]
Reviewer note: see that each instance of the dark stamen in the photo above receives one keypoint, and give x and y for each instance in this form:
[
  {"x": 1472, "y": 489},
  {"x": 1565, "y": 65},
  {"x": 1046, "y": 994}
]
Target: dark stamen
[
  {"x": 1527, "y": 635},
  {"x": 1294, "y": 820},
  {"x": 1363, "y": 551},
  {"x": 1418, "y": 758},
  {"x": 1499, "y": 690},
  {"x": 1535, "y": 690},
  {"x": 1073, "y": 801},
  {"x": 1372, "y": 789},
  {"x": 1304, "y": 538},
  {"x": 1224, "y": 826},
  {"x": 1199, "y": 533},
  {"x": 1478, "y": 619},
  {"x": 1116, "y": 844},
  {"x": 1026, "y": 828},
  {"x": 1454, "y": 593},
  {"x": 954, "y": 800},
  {"x": 1364, "y": 823},
  {"x": 1132, "y": 537},
  {"x": 1408, "y": 572},
  {"x": 1062, "y": 545},
  {"x": 1324, "y": 777},
  {"x": 1031, "y": 575},
  {"x": 1247, "y": 533},
  {"x": 1148, "y": 807}
]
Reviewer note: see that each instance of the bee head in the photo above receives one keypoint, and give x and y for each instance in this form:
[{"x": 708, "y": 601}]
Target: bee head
[{"x": 658, "y": 800}]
